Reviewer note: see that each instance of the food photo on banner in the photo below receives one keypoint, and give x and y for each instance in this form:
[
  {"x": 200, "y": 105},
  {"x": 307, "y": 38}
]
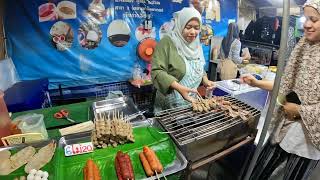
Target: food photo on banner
[{"x": 97, "y": 40}]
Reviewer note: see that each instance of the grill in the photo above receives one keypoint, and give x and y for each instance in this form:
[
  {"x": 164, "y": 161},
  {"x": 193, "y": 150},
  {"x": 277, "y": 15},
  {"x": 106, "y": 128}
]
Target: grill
[{"x": 201, "y": 134}]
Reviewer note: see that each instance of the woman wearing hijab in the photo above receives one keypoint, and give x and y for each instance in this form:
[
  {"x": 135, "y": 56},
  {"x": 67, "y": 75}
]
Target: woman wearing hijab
[
  {"x": 231, "y": 45},
  {"x": 295, "y": 127},
  {"x": 178, "y": 62}
]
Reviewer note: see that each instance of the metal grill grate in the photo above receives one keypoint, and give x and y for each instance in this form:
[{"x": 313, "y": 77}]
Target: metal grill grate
[{"x": 186, "y": 126}]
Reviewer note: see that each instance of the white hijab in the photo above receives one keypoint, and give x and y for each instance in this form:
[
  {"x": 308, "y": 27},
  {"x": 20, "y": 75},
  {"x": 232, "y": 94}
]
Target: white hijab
[{"x": 189, "y": 51}]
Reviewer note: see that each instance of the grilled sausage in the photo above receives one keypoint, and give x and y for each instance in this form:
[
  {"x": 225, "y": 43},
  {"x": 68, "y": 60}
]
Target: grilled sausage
[
  {"x": 123, "y": 166},
  {"x": 152, "y": 159},
  {"x": 160, "y": 167},
  {"x": 129, "y": 164},
  {"x": 91, "y": 171},
  {"x": 146, "y": 165},
  {"x": 118, "y": 170}
]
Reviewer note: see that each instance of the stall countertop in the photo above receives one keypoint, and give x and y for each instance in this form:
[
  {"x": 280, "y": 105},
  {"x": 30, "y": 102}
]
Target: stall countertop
[
  {"x": 234, "y": 89},
  {"x": 256, "y": 98},
  {"x": 78, "y": 112}
]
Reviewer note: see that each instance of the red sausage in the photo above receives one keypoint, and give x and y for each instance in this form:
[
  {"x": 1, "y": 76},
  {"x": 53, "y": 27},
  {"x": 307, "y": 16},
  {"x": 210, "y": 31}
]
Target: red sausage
[
  {"x": 129, "y": 164},
  {"x": 118, "y": 170}
]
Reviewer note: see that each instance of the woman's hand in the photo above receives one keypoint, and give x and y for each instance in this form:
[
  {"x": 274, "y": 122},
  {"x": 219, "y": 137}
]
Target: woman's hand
[
  {"x": 291, "y": 110},
  {"x": 185, "y": 91},
  {"x": 210, "y": 85}
]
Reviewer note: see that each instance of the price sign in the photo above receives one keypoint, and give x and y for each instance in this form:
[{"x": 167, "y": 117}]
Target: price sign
[{"x": 76, "y": 149}]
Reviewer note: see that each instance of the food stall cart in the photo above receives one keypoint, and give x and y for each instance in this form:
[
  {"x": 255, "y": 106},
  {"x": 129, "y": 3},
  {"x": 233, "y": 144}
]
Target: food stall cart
[{"x": 174, "y": 153}]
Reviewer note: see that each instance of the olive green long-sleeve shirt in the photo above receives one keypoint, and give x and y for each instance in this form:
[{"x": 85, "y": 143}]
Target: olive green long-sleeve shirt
[{"x": 167, "y": 66}]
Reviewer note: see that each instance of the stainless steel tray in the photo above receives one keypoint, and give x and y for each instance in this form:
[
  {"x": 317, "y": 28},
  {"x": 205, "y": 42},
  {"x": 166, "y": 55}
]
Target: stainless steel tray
[
  {"x": 20, "y": 172},
  {"x": 123, "y": 104},
  {"x": 176, "y": 166},
  {"x": 37, "y": 144}
]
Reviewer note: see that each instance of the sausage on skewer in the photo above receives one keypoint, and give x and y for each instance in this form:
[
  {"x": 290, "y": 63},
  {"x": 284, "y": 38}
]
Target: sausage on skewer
[
  {"x": 123, "y": 166},
  {"x": 118, "y": 170},
  {"x": 129, "y": 165},
  {"x": 146, "y": 165},
  {"x": 152, "y": 159},
  {"x": 160, "y": 167}
]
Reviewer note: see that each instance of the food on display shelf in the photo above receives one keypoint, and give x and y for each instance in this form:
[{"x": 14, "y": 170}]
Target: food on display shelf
[
  {"x": 153, "y": 160},
  {"x": 123, "y": 166},
  {"x": 15, "y": 161},
  {"x": 40, "y": 159},
  {"x": 111, "y": 131},
  {"x": 37, "y": 175},
  {"x": 91, "y": 171}
]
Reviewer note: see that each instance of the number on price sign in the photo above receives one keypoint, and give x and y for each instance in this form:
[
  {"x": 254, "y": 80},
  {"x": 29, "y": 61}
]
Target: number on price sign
[
  {"x": 68, "y": 150},
  {"x": 76, "y": 149}
]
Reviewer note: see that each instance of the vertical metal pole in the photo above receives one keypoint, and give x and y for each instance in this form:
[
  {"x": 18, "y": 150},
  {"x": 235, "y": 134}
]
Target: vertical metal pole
[{"x": 280, "y": 68}]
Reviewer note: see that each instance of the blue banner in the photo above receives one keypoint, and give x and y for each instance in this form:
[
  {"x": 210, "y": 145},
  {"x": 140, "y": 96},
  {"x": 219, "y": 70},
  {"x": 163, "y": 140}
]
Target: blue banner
[{"x": 83, "y": 42}]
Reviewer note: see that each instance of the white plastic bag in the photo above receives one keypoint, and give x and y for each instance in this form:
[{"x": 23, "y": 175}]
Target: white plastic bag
[{"x": 9, "y": 75}]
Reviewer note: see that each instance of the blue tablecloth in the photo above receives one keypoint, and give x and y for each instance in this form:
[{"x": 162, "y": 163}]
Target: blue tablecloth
[
  {"x": 256, "y": 98},
  {"x": 26, "y": 95}
]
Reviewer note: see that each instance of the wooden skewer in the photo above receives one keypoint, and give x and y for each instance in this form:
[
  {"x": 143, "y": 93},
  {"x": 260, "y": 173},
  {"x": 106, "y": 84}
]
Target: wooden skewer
[
  {"x": 157, "y": 175},
  {"x": 199, "y": 96},
  {"x": 164, "y": 176}
]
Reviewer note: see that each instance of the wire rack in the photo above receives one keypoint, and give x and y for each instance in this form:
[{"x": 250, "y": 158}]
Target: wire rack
[
  {"x": 142, "y": 97},
  {"x": 143, "y": 101},
  {"x": 103, "y": 90}
]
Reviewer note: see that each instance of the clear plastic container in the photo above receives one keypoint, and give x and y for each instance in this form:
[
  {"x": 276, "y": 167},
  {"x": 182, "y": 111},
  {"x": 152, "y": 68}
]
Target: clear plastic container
[{"x": 32, "y": 123}]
